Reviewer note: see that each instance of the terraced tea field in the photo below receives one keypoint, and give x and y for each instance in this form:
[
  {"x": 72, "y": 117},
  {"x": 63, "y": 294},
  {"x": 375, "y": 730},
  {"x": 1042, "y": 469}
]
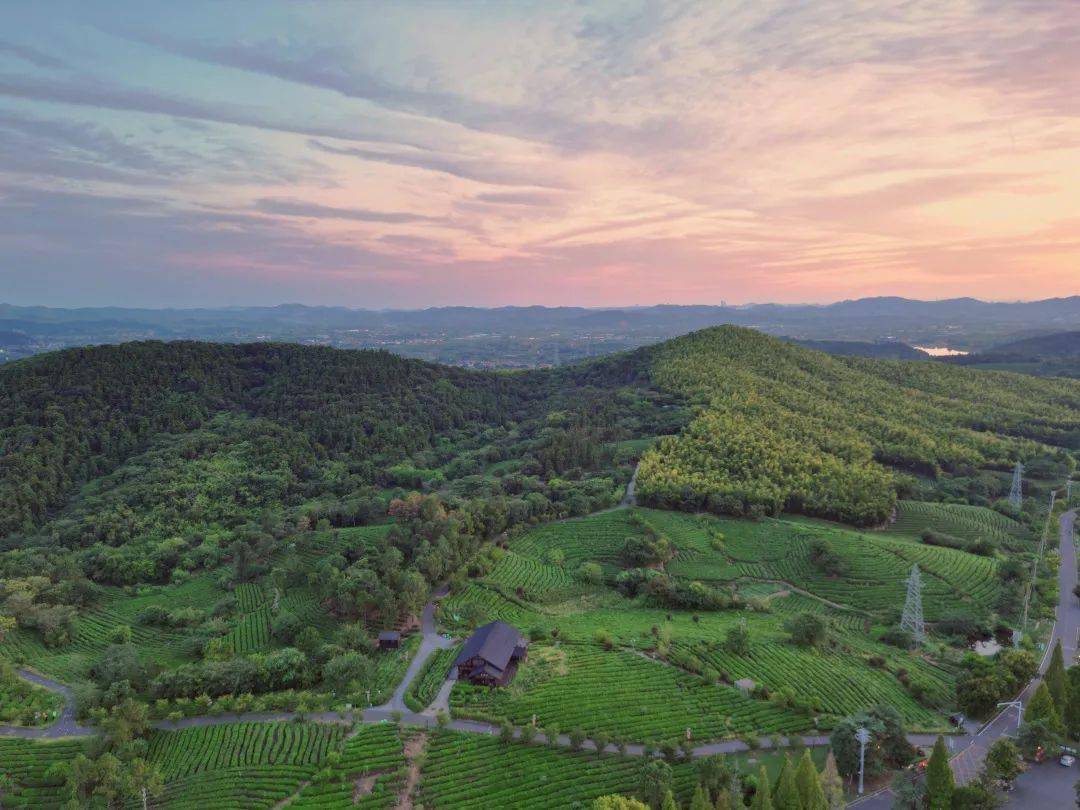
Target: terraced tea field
[
  {"x": 26, "y": 762},
  {"x": 206, "y": 748},
  {"x": 470, "y": 772},
  {"x": 877, "y": 566},
  {"x": 531, "y": 579},
  {"x": 841, "y": 682},
  {"x": 960, "y": 520},
  {"x": 467, "y": 771},
  {"x": 368, "y": 775},
  {"x": 627, "y": 696},
  {"x": 596, "y": 538},
  {"x": 247, "y": 787}
]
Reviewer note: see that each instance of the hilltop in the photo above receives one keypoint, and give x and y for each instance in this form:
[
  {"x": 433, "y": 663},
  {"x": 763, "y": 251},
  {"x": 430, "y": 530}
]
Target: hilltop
[{"x": 783, "y": 428}]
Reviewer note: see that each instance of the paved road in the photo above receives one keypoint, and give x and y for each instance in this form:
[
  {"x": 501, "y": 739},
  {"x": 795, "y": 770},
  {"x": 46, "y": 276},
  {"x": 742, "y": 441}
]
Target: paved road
[
  {"x": 65, "y": 726},
  {"x": 967, "y": 763},
  {"x": 430, "y": 642}
]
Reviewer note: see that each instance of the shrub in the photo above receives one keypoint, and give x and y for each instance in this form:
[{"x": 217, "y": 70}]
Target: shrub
[
  {"x": 896, "y": 637},
  {"x": 807, "y": 630}
]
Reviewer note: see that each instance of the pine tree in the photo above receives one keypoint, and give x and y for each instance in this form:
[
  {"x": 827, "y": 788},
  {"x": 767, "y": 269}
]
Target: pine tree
[
  {"x": 1042, "y": 708},
  {"x": 1056, "y": 681},
  {"x": 807, "y": 779},
  {"x": 669, "y": 801},
  {"x": 762, "y": 798},
  {"x": 723, "y": 801},
  {"x": 786, "y": 793},
  {"x": 1072, "y": 703},
  {"x": 832, "y": 784},
  {"x": 700, "y": 800},
  {"x": 939, "y": 778}
]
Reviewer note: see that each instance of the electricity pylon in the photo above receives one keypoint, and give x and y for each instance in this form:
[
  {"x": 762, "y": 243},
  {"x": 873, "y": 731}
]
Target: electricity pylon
[
  {"x": 1016, "y": 494},
  {"x": 912, "y": 618}
]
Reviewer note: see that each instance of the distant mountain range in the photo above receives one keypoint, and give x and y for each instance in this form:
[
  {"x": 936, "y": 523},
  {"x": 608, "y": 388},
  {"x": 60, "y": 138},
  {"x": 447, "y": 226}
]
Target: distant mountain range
[
  {"x": 885, "y": 350},
  {"x": 535, "y": 335},
  {"x": 1057, "y": 345}
]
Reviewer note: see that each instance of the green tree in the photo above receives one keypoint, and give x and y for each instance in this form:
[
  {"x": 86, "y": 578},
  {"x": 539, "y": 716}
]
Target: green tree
[
  {"x": 832, "y": 784},
  {"x": 701, "y": 799},
  {"x": 737, "y": 640},
  {"x": 939, "y": 778},
  {"x": 909, "y": 791},
  {"x": 1057, "y": 682},
  {"x": 785, "y": 794},
  {"x": 1042, "y": 709},
  {"x": 715, "y": 775},
  {"x": 1003, "y": 762},
  {"x": 110, "y": 778},
  {"x": 976, "y": 796},
  {"x": 763, "y": 794},
  {"x": 654, "y": 780},
  {"x": 617, "y": 803},
  {"x": 808, "y": 781},
  {"x": 807, "y": 630},
  {"x": 1072, "y": 703},
  {"x": 144, "y": 781},
  {"x": 669, "y": 801},
  {"x": 1035, "y": 736}
]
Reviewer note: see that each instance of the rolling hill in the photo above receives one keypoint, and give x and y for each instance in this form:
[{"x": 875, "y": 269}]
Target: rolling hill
[{"x": 783, "y": 428}]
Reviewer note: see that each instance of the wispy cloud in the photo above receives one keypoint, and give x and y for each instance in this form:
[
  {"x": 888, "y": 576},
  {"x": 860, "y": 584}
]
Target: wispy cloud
[
  {"x": 587, "y": 152},
  {"x": 32, "y": 56},
  {"x": 298, "y": 208}
]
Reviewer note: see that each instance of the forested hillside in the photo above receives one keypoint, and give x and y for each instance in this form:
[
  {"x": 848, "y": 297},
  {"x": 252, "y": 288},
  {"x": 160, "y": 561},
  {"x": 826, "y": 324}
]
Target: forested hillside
[
  {"x": 194, "y": 529},
  {"x": 779, "y": 427}
]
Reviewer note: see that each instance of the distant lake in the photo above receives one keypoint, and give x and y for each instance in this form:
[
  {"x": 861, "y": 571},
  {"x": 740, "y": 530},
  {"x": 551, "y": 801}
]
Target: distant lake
[{"x": 940, "y": 351}]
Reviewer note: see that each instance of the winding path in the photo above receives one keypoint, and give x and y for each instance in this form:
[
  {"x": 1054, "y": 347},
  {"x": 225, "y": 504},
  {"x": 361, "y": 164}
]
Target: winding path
[{"x": 65, "y": 726}]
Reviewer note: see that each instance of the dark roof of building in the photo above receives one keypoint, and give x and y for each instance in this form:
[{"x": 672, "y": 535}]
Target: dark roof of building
[
  {"x": 494, "y": 642},
  {"x": 389, "y": 635}
]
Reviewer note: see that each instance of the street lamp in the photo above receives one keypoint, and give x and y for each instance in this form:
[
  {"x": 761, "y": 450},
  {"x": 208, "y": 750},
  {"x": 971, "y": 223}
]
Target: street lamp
[
  {"x": 863, "y": 736},
  {"x": 1014, "y": 704}
]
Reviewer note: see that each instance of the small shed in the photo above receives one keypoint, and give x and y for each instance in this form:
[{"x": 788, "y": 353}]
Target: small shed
[{"x": 389, "y": 640}]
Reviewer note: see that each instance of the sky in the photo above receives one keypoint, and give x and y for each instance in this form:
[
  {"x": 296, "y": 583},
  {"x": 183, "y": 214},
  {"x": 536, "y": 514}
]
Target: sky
[{"x": 414, "y": 154}]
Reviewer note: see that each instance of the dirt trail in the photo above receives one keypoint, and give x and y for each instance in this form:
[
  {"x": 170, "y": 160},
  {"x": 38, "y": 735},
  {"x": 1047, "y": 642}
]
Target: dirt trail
[
  {"x": 412, "y": 751},
  {"x": 292, "y": 796},
  {"x": 363, "y": 785}
]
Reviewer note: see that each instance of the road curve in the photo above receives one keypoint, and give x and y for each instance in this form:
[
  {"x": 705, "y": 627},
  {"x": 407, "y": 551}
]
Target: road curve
[{"x": 65, "y": 726}]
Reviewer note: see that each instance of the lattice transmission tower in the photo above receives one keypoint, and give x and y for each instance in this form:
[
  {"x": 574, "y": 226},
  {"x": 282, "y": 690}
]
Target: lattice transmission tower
[
  {"x": 912, "y": 618},
  {"x": 1016, "y": 494}
]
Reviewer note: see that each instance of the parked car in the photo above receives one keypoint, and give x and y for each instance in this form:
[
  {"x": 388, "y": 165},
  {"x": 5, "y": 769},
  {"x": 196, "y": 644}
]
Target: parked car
[{"x": 1067, "y": 760}]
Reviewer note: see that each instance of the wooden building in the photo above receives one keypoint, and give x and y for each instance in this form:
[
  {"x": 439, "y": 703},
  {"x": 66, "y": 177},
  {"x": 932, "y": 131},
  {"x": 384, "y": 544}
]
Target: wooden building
[
  {"x": 389, "y": 640},
  {"x": 490, "y": 657}
]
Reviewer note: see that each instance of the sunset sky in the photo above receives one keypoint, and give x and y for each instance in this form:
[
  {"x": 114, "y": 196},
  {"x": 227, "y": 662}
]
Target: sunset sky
[{"x": 416, "y": 154}]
